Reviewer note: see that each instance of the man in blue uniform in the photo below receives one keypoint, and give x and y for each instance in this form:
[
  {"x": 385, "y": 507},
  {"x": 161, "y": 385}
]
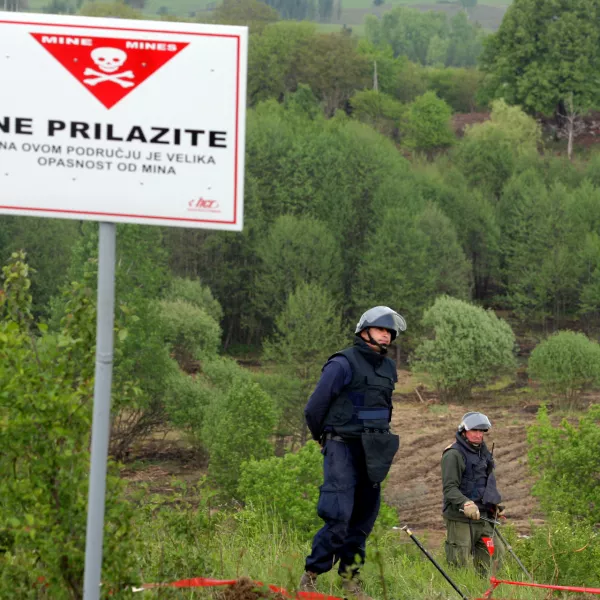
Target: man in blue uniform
[
  {"x": 470, "y": 491},
  {"x": 349, "y": 413}
]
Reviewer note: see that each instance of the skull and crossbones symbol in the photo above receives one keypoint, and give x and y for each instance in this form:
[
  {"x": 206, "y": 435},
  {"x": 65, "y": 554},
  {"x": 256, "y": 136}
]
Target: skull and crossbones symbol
[{"x": 109, "y": 60}]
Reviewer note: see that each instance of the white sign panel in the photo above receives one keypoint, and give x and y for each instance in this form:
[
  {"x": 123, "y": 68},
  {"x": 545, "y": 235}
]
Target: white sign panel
[{"x": 122, "y": 121}]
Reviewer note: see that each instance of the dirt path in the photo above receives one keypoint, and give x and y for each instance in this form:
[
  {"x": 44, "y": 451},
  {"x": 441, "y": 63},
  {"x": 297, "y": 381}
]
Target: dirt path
[{"x": 426, "y": 427}]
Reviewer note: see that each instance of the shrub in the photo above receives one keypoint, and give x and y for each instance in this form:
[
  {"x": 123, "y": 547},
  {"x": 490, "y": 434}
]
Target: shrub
[
  {"x": 562, "y": 552},
  {"x": 469, "y": 346},
  {"x": 192, "y": 291},
  {"x": 379, "y": 110},
  {"x": 566, "y": 363},
  {"x": 428, "y": 124},
  {"x": 186, "y": 399},
  {"x": 490, "y": 152},
  {"x": 566, "y": 460},
  {"x": 288, "y": 489},
  {"x": 45, "y": 421},
  {"x": 237, "y": 428},
  {"x": 190, "y": 329},
  {"x": 458, "y": 87}
]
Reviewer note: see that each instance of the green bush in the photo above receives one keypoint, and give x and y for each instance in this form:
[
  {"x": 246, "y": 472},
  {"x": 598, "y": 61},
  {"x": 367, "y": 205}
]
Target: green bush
[
  {"x": 223, "y": 373},
  {"x": 566, "y": 461},
  {"x": 190, "y": 329},
  {"x": 562, "y": 552},
  {"x": 289, "y": 394},
  {"x": 566, "y": 363},
  {"x": 45, "y": 422},
  {"x": 186, "y": 399},
  {"x": 379, "y": 110},
  {"x": 427, "y": 124},
  {"x": 192, "y": 291},
  {"x": 458, "y": 87},
  {"x": 288, "y": 489},
  {"x": 237, "y": 427},
  {"x": 470, "y": 346},
  {"x": 490, "y": 152}
]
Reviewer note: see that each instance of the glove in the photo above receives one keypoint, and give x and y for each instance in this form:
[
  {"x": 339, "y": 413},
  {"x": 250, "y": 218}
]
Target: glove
[{"x": 471, "y": 511}]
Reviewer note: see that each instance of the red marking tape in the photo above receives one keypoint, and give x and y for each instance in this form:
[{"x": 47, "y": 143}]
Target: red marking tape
[
  {"x": 564, "y": 588},
  {"x": 204, "y": 582}
]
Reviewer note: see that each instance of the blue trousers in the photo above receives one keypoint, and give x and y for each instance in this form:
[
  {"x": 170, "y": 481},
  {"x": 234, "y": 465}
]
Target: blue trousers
[{"x": 349, "y": 504}]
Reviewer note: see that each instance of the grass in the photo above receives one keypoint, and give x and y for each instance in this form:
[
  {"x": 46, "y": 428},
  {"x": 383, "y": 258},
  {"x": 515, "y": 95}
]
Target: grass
[
  {"x": 264, "y": 550},
  {"x": 335, "y": 27},
  {"x": 495, "y": 386}
]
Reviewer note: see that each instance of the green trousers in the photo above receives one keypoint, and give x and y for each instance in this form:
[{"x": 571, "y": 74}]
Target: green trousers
[{"x": 464, "y": 546}]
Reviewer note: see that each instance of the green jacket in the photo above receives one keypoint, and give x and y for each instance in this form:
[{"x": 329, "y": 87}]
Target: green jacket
[{"x": 453, "y": 467}]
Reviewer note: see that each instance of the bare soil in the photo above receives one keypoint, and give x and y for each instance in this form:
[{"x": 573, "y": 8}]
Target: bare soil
[{"x": 426, "y": 427}]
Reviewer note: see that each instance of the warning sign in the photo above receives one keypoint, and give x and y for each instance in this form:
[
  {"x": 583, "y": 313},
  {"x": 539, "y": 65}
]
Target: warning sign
[
  {"x": 122, "y": 121},
  {"x": 112, "y": 67}
]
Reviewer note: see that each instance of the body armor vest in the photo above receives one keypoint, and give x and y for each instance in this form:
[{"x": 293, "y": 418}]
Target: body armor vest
[
  {"x": 478, "y": 481},
  {"x": 366, "y": 402}
]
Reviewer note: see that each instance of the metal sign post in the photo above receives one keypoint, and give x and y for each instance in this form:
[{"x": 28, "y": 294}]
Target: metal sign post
[
  {"x": 105, "y": 318},
  {"x": 141, "y": 122}
]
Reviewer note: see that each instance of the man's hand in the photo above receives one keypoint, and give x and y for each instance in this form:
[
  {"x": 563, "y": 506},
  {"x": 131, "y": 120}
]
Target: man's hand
[
  {"x": 500, "y": 512},
  {"x": 471, "y": 511}
]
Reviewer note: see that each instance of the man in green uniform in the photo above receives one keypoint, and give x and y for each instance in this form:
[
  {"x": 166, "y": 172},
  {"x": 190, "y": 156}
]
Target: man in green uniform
[{"x": 470, "y": 492}]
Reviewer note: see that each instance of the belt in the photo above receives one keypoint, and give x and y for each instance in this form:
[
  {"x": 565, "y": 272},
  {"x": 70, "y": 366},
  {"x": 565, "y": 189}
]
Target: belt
[{"x": 335, "y": 438}]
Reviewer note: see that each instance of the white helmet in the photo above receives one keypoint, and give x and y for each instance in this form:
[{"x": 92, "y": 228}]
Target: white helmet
[
  {"x": 474, "y": 420},
  {"x": 384, "y": 317}
]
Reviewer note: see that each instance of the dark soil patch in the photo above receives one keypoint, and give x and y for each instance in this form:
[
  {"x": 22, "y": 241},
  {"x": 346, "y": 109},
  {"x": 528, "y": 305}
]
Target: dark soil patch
[
  {"x": 246, "y": 589},
  {"x": 461, "y": 120}
]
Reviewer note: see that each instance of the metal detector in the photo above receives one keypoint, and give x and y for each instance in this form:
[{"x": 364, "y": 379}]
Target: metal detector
[{"x": 435, "y": 563}]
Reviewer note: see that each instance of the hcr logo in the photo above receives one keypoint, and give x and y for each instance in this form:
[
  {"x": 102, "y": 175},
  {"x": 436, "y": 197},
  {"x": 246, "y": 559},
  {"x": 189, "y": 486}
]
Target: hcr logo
[{"x": 204, "y": 204}]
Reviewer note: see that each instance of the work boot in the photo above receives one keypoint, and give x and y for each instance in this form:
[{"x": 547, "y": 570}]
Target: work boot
[
  {"x": 353, "y": 589},
  {"x": 308, "y": 582}
]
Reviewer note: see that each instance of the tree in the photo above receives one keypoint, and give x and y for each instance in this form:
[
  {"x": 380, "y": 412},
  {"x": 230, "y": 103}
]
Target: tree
[
  {"x": 378, "y": 110},
  {"x": 297, "y": 250},
  {"x": 117, "y": 9},
  {"x": 468, "y": 346},
  {"x": 254, "y": 13},
  {"x": 546, "y": 57},
  {"x": 408, "y": 31},
  {"x": 566, "y": 363},
  {"x": 427, "y": 124},
  {"x": 465, "y": 41},
  {"x": 458, "y": 87},
  {"x": 541, "y": 268},
  {"x": 307, "y": 331},
  {"x": 426, "y": 37},
  {"x": 412, "y": 257},
  {"x": 142, "y": 361},
  {"x": 276, "y": 59},
  {"x": 468, "y": 4},
  {"x": 491, "y": 152},
  {"x": 48, "y": 244},
  {"x": 335, "y": 70}
]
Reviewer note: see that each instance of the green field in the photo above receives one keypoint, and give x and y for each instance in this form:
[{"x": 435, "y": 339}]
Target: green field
[{"x": 489, "y": 13}]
